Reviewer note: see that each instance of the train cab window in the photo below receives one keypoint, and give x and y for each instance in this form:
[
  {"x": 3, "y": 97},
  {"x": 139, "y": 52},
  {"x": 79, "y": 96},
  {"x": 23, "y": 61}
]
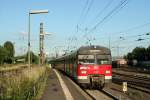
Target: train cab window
[
  {"x": 103, "y": 61},
  {"x": 86, "y": 59}
]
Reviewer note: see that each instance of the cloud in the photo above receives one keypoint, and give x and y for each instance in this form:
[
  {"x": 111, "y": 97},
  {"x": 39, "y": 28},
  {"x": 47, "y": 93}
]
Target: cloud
[{"x": 23, "y": 33}]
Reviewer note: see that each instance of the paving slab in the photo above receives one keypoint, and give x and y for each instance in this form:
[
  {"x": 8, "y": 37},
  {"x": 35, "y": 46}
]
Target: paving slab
[{"x": 53, "y": 89}]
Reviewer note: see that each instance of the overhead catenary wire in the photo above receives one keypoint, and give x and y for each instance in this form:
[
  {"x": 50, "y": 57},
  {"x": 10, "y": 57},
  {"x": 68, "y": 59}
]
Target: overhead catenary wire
[
  {"x": 85, "y": 12},
  {"x": 117, "y": 11},
  {"x": 132, "y": 42},
  {"x": 132, "y": 28},
  {"x": 117, "y": 8},
  {"x": 126, "y": 38},
  {"x": 104, "y": 9},
  {"x": 88, "y": 9},
  {"x": 131, "y": 36},
  {"x": 82, "y": 12},
  {"x": 82, "y": 16},
  {"x": 120, "y": 5}
]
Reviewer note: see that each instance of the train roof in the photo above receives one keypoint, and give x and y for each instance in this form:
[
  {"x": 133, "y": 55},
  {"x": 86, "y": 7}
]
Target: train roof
[
  {"x": 84, "y": 50},
  {"x": 93, "y": 49}
]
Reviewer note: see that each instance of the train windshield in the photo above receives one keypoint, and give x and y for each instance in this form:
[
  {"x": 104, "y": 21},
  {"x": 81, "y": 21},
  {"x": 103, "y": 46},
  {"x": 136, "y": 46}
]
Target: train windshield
[
  {"x": 86, "y": 59},
  {"x": 103, "y": 59},
  {"x": 94, "y": 59}
]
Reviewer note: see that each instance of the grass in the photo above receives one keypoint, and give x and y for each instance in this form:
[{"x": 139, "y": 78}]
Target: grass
[
  {"x": 9, "y": 67},
  {"x": 27, "y": 85}
]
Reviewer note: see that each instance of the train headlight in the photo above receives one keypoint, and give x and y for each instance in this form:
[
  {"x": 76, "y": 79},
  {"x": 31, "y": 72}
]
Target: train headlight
[
  {"x": 83, "y": 67},
  {"x": 107, "y": 71},
  {"x": 83, "y": 72}
]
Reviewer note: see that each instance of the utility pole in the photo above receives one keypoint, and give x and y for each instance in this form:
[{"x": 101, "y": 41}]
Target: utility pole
[
  {"x": 109, "y": 42},
  {"x": 41, "y": 45},
  {"x": 118, "y": 51}
]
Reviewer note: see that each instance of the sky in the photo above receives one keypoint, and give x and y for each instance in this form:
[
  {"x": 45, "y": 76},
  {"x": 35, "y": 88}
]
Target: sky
[{"x": 117, "y": 24}]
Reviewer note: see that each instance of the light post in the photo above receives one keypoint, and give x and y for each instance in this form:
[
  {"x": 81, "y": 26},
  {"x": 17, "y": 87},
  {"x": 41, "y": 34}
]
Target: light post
[{"x": 32, "y": 12}]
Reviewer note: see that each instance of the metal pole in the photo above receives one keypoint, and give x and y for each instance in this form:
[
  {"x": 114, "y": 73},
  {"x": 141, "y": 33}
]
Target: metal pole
[
  {"x": 29, "y": 42},
  {"x": 109, "y": 41},
  {"x": 40, "y": 47},
  {"x": 118, "y": 51},
  {"x": 41, "y": 44}
]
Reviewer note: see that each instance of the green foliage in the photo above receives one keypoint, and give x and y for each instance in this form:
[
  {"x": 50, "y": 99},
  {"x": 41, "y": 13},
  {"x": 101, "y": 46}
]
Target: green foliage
[
  {"x": 129, "y": 56},
  {"x": 7, "y": 53},
  {"x": 3, "y": 54},
  {"x": 148, "y": 52},
  {"x": 10, "y": 48},
  {"x": 24, "y": 58},
  {"x": 33, "y": 58},
  {"x": 139, "y": 53}
]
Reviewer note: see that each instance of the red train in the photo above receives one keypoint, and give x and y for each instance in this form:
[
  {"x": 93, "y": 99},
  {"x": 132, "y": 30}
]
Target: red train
[{"x": 88, "y": 66}]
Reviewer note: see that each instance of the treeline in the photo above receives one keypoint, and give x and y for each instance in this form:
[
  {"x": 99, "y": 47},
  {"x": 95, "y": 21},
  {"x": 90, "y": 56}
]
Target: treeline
[
  {"x": 7, "y": 55},
  {"x": 24, "y": 58},
  {"x": 139, "y": 54}
]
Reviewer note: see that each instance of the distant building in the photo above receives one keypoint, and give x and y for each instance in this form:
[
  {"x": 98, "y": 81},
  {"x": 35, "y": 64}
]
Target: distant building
[{"x": 119, "y": 61}]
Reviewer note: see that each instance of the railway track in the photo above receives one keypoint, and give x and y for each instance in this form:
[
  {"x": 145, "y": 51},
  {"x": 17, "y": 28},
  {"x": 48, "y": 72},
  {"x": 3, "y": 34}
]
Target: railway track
[
  {"x": 100, "y": 95},
  {"x": 133, "y": 85},
  {"x": 138, "y": 82},
  {"x": 136, "y": 77},
  {"x": 134, "y": 69},
  {"x": 93, "y": 94}
]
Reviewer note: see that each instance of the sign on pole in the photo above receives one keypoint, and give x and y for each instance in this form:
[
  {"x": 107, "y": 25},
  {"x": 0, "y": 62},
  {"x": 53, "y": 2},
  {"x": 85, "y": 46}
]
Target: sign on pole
[{"x": 125, "y": 87}]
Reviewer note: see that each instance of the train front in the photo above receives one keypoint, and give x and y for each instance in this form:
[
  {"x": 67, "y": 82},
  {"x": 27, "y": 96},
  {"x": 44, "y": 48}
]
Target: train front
[{"x": 94, "y": 67}]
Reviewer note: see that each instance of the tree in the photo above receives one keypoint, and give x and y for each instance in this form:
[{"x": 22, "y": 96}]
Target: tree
[
  {"x": 139, "y": 53},
  {"x": 129, "y": 56},
  {"x": 148, "y": 53},
  {"x": 10, "y": 48},
  {"x": 3, "y": 54},
  {"x": 11, "y": 51},
  {"x": 33, "y": 58}
]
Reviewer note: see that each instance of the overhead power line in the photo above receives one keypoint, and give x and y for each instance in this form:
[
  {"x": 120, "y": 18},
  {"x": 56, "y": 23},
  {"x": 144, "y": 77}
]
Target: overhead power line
[
  {"x": 119, "y": 6},
  {"x": 85, "y": 11},
  {"x": 117, "y": 11},
  {"x": 133, "y": 28},
  {"x": 88, "y": 9},
  {"x": 104, "y": 9},
  {"x": 126, "y": 38}
]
